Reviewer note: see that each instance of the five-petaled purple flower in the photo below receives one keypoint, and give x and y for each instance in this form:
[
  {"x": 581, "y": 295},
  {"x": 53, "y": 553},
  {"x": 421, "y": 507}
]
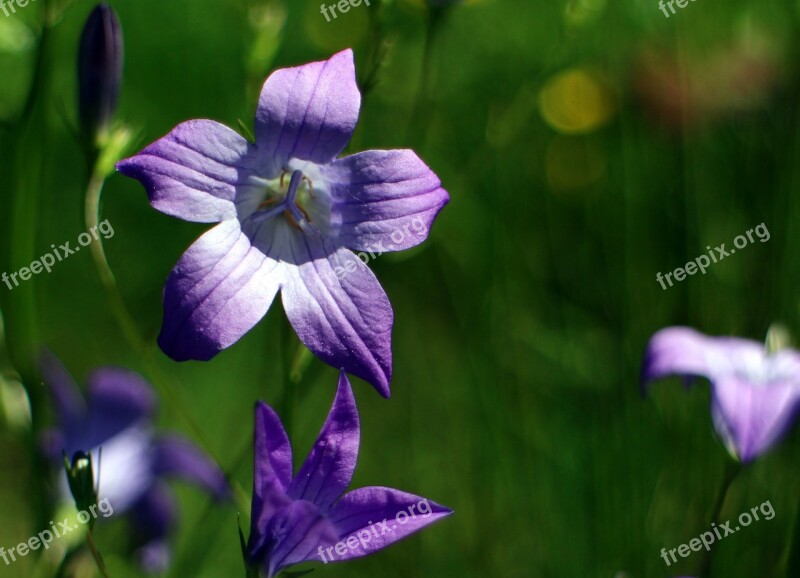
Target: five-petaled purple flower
[
  {"x": 305, "y": 517},
  {"x": 755, "y": 394},
  {"x": 290, "y": 215},
  {"x": 116, "y": 416}
]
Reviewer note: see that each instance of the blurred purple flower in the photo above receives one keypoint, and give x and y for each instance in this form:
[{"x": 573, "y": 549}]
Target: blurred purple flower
[
  {"x": 290, "y": 216},
  {"x": 755, "y": 394},
  {"x": 305, "y": 517},
  {"x": 117, "y": 417}
]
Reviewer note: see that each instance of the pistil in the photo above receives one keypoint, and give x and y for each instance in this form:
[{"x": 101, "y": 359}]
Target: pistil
[{"x": 295, "y": 214}]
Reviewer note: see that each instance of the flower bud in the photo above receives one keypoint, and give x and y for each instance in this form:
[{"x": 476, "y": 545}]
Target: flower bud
[
  {"x": 778, "y": 337},
  {"x": 99, "y": 71},
  {"x": 80, "y": 475}
]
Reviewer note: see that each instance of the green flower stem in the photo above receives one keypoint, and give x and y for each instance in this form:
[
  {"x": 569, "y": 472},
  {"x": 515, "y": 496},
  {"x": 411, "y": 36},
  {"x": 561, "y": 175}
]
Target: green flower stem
[
  {"x": 376, "y": 53},
  {"x": 61, "y": 572},
  {"x": 732, "y": 470},
  {"x": 26, "y": 184},
  {"x": 289, "y": 391},
  {"x": 422, "y": 108},
  {"x": 101, "y": 565},
  {"x": 792, "y": 556},
  {"x": 129, "y": 327}
]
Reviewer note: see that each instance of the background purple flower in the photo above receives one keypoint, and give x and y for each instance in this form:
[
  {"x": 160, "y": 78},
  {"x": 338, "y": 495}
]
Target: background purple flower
[
  {"x": 117, "y": 417},
  {"x": 755, "y": 394},
  {"x": 305, "y": 517},
  {"x": 290, "y": 217}
]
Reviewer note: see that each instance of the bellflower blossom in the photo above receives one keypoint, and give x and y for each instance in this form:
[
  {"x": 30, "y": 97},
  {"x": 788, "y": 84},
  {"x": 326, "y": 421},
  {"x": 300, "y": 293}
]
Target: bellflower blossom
[
  {"x": 291, "y": 214},
  {"x": 755, "y": 394},
  {"x": 305, "y": 517},
  {"x": 134, "y": 464}
]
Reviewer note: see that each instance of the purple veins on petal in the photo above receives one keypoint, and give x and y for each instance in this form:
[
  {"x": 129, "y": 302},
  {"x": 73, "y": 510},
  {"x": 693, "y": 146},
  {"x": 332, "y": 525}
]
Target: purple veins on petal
[
  {"x": 290, "y": 216},
  {"x": 305, "y": 517}
]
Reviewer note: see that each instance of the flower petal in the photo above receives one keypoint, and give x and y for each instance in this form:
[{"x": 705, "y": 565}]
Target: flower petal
[
  {"x": 685, "y": 352},
  {"x": 329, "y": 467},
  {"x": 193, "y": 172},
  {"x": 675, "y": 351},
  {"x": 123, "y": 465},
  {"x": 118, "y": 400},
  {"x": 384, "y": 200},
  {"x": 294, "y": 534},
  {"x": 273, "y": 452},
  {"x": 67, "y": 398},
  {"x": 52, "y": 443},
  {"x": 153, "y": 518},
  {"x": 177, "y": 456},
  {"x": 272, "y": 474},
  {"x": 378, "y": 517},
  {"x": 308, "y": 112},
  {"x": 221, "y": 287},
  {"x": 346, "y": 322},
  {"x": 751, "y": 419}
]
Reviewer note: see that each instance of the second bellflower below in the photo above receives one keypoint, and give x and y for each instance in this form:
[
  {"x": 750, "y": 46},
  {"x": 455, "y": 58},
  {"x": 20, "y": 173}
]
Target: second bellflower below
[
  {"x": 290, "y": 214},
  {"x": 309, "y": 516}
]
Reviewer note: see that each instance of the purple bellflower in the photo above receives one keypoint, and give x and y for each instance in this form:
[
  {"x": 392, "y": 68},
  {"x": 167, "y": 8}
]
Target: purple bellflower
[
  {"x": 755, "y": 394},
  {"x": 134, "y": 464},
  {"x": 291, "y": 214},
  {"x": 306, "y": 518}
]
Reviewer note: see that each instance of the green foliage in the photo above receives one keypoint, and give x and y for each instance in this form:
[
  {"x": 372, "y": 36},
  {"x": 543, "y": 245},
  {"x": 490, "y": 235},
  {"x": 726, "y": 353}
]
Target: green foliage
[{"x": 520, "y": 326}]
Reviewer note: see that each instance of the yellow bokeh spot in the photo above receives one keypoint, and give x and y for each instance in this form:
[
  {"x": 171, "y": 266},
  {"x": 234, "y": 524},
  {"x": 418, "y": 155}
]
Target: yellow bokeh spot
[{"x": 576, "y": 102}]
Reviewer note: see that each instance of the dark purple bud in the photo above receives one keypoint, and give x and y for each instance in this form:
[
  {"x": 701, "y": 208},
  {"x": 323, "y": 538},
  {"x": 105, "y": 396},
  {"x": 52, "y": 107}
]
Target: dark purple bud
[
  {"x": 80, "y": 475},
  {"x": 99, "y": 70}
]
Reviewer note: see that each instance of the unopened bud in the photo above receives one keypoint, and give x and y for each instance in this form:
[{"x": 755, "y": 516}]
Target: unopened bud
[
  {"x": 80, "y": 475},
  {"x": 99, "y": 71}
]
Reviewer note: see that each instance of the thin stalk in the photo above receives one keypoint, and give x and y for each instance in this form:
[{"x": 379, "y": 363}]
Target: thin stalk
[
  {"x": 27, "y": 188},
  {"x": 422, "y": 105},
  {"x": 27, "y": 181},
  {"x": 376, "y": 52},
  {"x": 793, "y": 558},
  {"x": 732, "y": 470},
  {"x": 101, "y": 565},
  {"x": 128, "y": 325},
  {"x": 289, "y": 391}
]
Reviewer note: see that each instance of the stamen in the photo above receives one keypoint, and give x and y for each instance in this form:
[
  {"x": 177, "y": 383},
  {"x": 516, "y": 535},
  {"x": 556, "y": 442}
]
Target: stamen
[
  {"x": 303, "y": 222},
  {"x": 295, "y": 214}
]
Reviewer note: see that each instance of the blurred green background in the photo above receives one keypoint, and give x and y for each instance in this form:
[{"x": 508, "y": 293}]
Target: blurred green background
[{"x": 587, "y": 145}]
